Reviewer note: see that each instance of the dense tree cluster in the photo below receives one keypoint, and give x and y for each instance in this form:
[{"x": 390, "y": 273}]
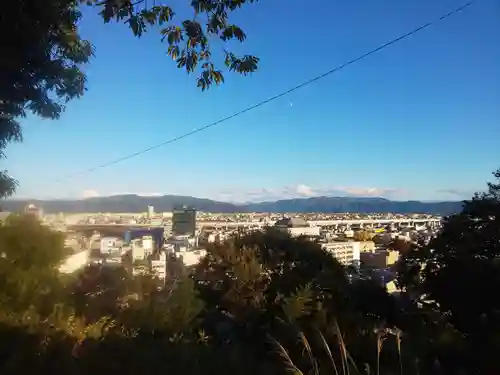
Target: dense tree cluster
[
  {"x": 262, "y": 303},
  {"x": 457, "y": 277},
  {"x": 363, "y": 235}
]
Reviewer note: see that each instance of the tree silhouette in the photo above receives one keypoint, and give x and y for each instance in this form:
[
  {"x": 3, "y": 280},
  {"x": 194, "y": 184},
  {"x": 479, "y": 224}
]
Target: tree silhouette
[
  {"x": 40, "y": 65},
  {"x": 460, "y": 280},
  {"x": 30, "y": 255},
  {"x": 7, "y": 184},
  {"x": 99, "y": 291},
  {"x": 400, "y": 245},
  {"x": 271, "y": 284},
  {"x": 262, "y": 268}
]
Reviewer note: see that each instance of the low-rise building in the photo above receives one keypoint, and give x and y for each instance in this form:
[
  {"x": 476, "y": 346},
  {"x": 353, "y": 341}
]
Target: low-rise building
[
  {"x": 182, "y": 242},
  {"x": 296, "y": 226},
  {"x": 367, "y": 246},
  {"x": 379, "y": 259},
  {"x": 191, "y": 257},
  {"x": 108, "y": 244},
  {"x": 345, "y": 252}
]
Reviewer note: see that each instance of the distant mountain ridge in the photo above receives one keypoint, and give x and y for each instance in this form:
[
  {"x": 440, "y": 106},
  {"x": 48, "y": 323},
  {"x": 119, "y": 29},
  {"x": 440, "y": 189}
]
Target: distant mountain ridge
[{"x": 135, "y": 203}]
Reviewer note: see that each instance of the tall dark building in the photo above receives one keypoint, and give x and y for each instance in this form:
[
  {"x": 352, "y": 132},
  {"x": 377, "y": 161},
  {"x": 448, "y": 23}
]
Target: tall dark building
[{"x": 184, "y": 221}]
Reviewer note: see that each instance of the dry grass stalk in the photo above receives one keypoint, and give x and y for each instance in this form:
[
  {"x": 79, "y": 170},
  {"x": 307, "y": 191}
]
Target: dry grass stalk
[
  {"x": 284, "y": 354},
  {"x": 328, "y": 351},
  {"x": 310, "y": 354}
]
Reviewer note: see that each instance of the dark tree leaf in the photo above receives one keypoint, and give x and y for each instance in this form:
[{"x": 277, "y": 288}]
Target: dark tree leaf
[
  {"x": 40, "y": 62},
  {"x": 189, "y": 38}
]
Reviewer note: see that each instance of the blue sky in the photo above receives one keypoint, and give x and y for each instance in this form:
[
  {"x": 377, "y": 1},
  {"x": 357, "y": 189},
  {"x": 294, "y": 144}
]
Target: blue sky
[{"x": 418, "y": 120}]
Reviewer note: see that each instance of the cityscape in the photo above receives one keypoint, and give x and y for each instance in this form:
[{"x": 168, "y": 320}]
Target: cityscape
[{"x": 143, "y": 243}]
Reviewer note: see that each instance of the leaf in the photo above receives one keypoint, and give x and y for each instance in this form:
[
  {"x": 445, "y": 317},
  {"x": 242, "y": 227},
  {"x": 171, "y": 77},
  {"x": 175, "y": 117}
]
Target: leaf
[
  {"x": 191, "y": 61},
  {"x": 173, "y": 51},
  {"x": 108, "y": 12},
  {"x": 166, "y": 14},
  {"x": 137, "y": 25},
  {"x": 231, "y": 32},
  {"x": 123, "y": 12},
  {"x": 173, "y": 34},
  {"x": 181, "y": 61},
  {"x": 150, "y": 16}
]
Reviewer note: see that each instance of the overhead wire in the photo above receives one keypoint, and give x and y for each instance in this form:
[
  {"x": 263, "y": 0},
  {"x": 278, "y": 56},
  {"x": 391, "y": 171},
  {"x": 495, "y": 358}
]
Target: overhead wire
[{"x": 272, "y": 98}]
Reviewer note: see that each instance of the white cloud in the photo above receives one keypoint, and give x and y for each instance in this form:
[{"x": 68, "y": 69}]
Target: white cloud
[
  {"x": 306, "y": 191},
  {"x": 90, "y": 193},
  {"x": 369, "y": 192}
]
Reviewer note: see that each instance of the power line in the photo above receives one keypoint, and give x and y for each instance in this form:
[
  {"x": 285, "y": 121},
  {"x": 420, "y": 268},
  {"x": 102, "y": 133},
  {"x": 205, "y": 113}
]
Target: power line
[{"x": 277, "y": 96}]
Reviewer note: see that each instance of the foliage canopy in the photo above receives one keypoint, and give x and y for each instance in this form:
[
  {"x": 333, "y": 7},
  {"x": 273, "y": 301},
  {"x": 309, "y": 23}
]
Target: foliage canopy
[{"x": 460, "y": 278}]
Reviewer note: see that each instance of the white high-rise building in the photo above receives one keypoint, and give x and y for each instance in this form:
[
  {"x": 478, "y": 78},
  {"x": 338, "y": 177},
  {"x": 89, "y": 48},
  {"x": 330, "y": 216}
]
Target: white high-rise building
[
  {"x": 151, "y": 211},
  {"x": 147, "y": 245}
]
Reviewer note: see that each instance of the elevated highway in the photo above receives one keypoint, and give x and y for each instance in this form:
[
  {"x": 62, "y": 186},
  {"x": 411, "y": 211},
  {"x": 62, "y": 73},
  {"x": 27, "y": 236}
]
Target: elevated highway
[
  {"x": 325, "y": 223},
  {"x": 119, "y": 228}
]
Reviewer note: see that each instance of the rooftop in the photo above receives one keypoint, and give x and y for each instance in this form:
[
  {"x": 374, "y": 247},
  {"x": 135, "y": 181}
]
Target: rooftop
[{"x": 292, "y": 222}]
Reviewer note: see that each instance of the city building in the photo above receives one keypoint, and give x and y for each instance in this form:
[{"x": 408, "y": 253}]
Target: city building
[
  {"x": 184, "y": 221},
  {"x": 345, "y": 252},
  {"x": 349, "y": 233},
  {"x": 151, "y": 211},
  {"x": 386, "y": 278},
  {"x": 138, "y": 252},
  {"x": 191, "y": 257},
  {"x": 367, "y": 246},
  {"x": 156, "y": 233},
  {"x": 296, "y": 226},
  {"x": 379, "y": 259},
  {"x": 31, "y": 209},
  {"x": 159, "y": 266},
  {"x": 182, "y": 243},
  {"x": 147, "y": 245},
  {"x": 108, "y": 244},
  {"x": 156, "y": 222}
]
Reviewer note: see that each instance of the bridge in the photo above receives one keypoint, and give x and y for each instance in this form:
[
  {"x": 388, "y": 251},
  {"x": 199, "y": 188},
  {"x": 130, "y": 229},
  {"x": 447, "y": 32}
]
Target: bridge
[
  {"x": 325, "y": 223},
  {"x": 257, "y": 224}
]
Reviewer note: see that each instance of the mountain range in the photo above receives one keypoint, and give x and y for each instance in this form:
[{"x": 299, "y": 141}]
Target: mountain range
[{"x": 135, "y": 203}]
